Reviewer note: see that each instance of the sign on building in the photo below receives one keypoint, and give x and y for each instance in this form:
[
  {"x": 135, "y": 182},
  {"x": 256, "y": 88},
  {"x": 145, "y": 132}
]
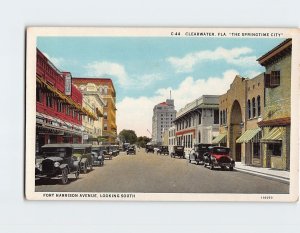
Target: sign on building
[{"x": 68, "y": 84}]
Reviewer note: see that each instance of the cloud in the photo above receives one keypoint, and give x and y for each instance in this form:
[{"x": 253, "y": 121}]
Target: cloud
[
  {"x": 118, "y": 71},
  {"x": 136, "y": 113},
  {"x": 57, "y": 61},
  {"x": 235, "y": 56}
]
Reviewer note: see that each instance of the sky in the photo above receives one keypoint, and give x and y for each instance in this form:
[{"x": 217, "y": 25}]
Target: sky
[{"x": 144, "y": 70}]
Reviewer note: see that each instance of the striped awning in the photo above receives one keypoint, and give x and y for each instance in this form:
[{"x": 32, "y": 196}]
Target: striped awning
[
  {"x": 275, "y": 135},
  {"x": 248, "y": 135},
  {"x": 221, "y": 138}
]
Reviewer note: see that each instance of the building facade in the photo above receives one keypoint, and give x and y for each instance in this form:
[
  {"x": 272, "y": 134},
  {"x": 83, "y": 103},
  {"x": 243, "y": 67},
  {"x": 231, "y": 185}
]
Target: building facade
[
  {"x": 198, "y": 122},
  {"x": 171, "y": 138},
  {"x": 59, "y": 107},
  {"x": 277, "y": 115},
  {"x": 241, "y": 108},
  {"x": 92, "y": 101},
  {"x": 163, "y": 115},
  {"x": 107, "y": 92}
]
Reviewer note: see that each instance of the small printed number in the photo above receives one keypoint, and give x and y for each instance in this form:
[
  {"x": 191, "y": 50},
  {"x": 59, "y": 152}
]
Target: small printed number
[{"x": 266, "y": 197}]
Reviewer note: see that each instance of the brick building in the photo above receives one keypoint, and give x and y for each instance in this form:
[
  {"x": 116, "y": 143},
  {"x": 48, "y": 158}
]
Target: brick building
[
  {"x": 59, "y": 107},
  {"x": 277, "y": 115},
  {"x": 106, "y": 89}
]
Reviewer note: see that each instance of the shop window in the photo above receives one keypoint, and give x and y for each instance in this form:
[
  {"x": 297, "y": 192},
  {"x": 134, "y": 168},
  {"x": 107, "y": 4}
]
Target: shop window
[
  {"x": 256, "y": 150},
  {"x": 216, "y": 116},
  {"x": 258, "y": 106},
  {"x": 275, "y": 149},
  {"x": 253, "y": 108}
]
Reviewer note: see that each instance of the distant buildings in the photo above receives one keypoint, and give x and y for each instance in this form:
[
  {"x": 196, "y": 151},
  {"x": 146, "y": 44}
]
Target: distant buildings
[
  {"x": 163, "y": 115},
  {"x": 198, "y": 122}
]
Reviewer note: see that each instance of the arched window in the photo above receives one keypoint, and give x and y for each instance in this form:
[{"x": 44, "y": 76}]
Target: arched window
[
  {"x": 249, "y": 109},
  {"x": 253, "y": 108},
  {"x": 258, "y": 106}
]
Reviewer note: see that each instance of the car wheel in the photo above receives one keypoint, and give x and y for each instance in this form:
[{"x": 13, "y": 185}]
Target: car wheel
[
  {"x": 64, "y": 175},
  {"x": 85, "y": 168},
  {"x": 204, "y": 164},
  {"x": 223, "y": 168},
  {"x": 211, "y": 167},
  {"x": 91, "y": 167},
  {"x": 197, "y": 163},
  {"x": 77, "y": 174},
  {"x": 231, "y": 168}
]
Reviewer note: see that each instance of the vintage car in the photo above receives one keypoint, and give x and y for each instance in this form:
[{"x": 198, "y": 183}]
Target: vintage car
[
  {"x": 98, "y": 155},
  {"x": 114, "y": 149},
  {"x": 163, "y": 150},
  {"x": 149, "y": 149},
  {"x": 178, "y": 151},
  {"x": 197, "y": 153},
  {"x": 84, "y": 153},
  {"x": 218, "y": 156},
  {"x": 106, "y": 152},
  {"x": 57, "y": 161},
  {"x": 131, "y": 150}
]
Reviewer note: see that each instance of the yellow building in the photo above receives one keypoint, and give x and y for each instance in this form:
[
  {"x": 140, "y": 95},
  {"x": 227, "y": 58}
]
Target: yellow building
[
  {"x": 106, "y": 90},
  {"x": 94, "y": 104}
]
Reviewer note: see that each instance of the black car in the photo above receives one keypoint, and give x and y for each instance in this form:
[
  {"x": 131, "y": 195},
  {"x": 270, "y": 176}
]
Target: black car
[
  {"x": 149, "y": 149},
  {"x": 83, "y": 152},
  {"x": 98, "y": 155},
  {"x": 178, "y": 151},
  {"x": 57, "y": 161},
  {"x": 163, "y": 150},
  {"x": 197, "y": 153},
  {"x": 131, "y": 150}
]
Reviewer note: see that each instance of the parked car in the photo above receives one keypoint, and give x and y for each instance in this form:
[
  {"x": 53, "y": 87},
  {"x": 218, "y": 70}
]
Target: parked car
[
  {"x": 197, "y": 153},
  {"x": 219, "y": 156},
  {"x": 131, "y": 150},
  {"x": 125, "y": 146},
  {"x": 57, "y": 161},
  {"x": 84, "y": 153},
  {"x": 114, "y": 150},
  {"x": 149, "y": 149},
  {"x": 98, "y": 155},
  {"x": 178, "y": 151},
  {"x": 106, "y": 152},
  {"x": 163, "y": 150}
]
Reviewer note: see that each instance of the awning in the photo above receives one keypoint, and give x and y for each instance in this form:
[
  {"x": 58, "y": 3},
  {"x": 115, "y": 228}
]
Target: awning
[
  {"x": 248, "y": 135},
  {"x": 275, "y": 135},
  {"x": 221, "y": 138}
]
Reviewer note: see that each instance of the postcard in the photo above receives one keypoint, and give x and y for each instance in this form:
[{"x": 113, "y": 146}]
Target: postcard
[{"x": 162, "y": 114}]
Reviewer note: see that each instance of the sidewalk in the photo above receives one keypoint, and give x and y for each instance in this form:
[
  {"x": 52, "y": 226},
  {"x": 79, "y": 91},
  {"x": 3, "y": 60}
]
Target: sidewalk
[{"x": 282, "y": 176}]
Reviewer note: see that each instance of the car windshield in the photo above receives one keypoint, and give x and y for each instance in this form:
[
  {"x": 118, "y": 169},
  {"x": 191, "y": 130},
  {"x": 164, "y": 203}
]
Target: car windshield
[
  {"x": 220, "y": 151},
  {"x": 54, "y": 152}
]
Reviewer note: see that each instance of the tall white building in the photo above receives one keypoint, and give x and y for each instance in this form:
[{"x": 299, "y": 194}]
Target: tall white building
[{"x": 163, "y": 115}]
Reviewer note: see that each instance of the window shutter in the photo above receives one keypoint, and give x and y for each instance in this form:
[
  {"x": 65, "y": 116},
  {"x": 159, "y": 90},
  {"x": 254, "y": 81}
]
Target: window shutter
[{"x": 267, "y": 80}]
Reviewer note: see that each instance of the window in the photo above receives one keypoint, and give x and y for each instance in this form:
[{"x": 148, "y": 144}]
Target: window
[
  {"x": 275, "y": 149},
  {"x": 67, "y": 110},
  {"x": 199, "y": 118},
  {"x": 253, "y": 108},
  {"x": 224, "y": 117},
  {"x": 105, "y": 115},
  {"x": 272, "y": 79},
  {"x": 49, "y": 101},
  {"x": 258, "y": 106},
  {"x": 249, "y": 109},
  {"x": 221, "y": 117},
  {"x": 216, "y": 116},
  {"x": 59, "y": 106},
  {"x": 39, "y": 96}
]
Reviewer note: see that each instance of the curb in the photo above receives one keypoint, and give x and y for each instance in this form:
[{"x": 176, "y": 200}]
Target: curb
[{"x": 264, "y": 175}]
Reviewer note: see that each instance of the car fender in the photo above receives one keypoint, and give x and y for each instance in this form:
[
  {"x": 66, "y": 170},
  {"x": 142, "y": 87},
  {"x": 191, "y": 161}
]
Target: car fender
[{"x": 62, "y": 166}]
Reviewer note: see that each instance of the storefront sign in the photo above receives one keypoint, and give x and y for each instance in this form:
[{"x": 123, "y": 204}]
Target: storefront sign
[{"x": 68, "y": 84}]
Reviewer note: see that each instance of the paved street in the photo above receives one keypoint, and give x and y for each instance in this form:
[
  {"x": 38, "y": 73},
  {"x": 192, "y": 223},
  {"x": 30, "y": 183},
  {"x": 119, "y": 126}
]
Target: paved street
[{"x": 153, "y": 173}]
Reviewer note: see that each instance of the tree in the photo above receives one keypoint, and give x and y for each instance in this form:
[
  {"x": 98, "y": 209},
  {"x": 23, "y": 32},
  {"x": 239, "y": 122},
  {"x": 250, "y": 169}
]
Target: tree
[
  {"x": 142, "y": 141},
  {"x": 128, "y": 135}
]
